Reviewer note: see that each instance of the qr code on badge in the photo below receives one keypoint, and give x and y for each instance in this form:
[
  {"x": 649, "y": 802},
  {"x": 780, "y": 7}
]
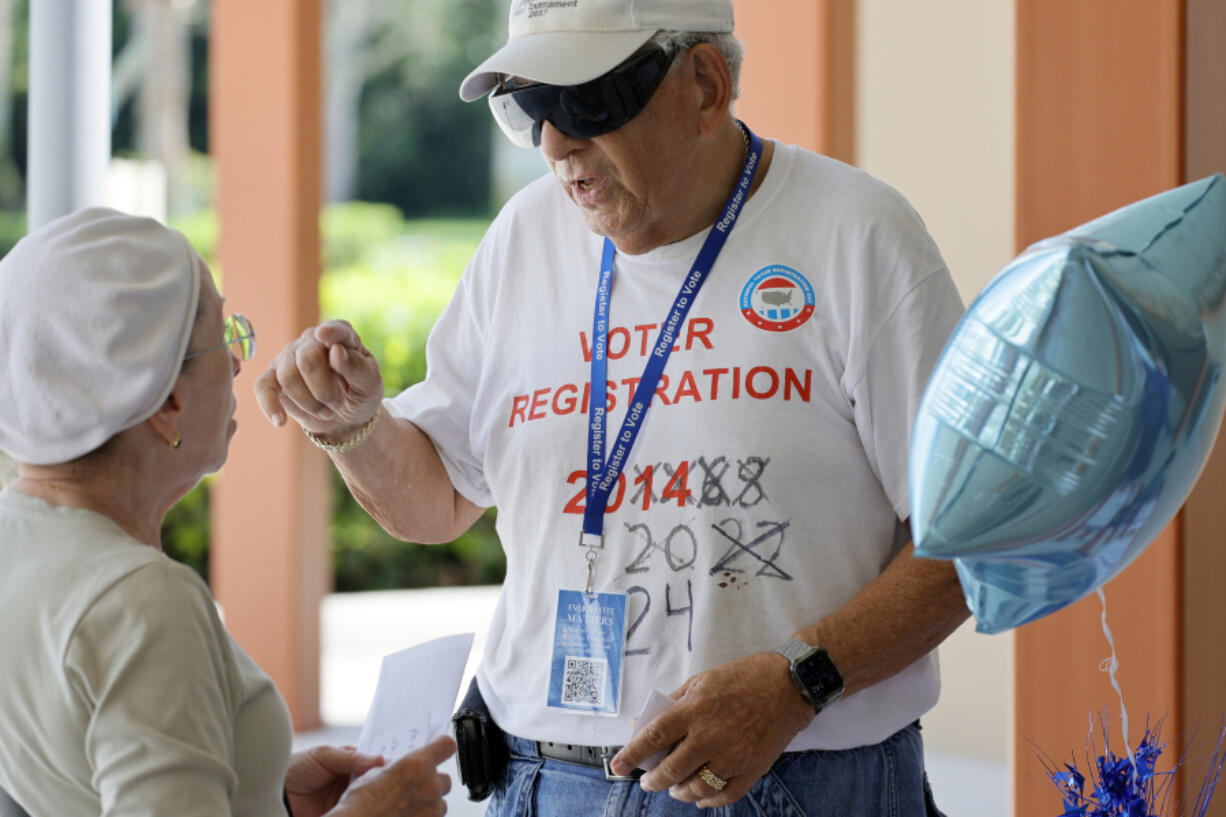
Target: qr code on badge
[{"x": 583, "y": 681}]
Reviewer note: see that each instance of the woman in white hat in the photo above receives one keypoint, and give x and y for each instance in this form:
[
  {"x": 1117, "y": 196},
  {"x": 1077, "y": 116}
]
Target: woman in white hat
[{"x": 120, "y": 690}]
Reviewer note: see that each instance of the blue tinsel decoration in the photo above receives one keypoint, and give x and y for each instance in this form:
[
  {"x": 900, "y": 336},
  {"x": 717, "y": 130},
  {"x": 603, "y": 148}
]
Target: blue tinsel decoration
[{"x": 1131, "y": 787}]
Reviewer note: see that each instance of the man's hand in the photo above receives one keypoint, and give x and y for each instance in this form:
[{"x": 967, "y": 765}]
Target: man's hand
[
  {"x": 410, "y": 787},
  {"x": 326, "y": 380},
  {"x": 736, "y": 719},
  {"x": 318, "y": 777}
]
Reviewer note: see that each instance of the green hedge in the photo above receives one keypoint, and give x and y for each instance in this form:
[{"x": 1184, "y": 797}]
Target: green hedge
[
  {"x": 390, "y": 278},
  {"x": 12, "y": 228}
]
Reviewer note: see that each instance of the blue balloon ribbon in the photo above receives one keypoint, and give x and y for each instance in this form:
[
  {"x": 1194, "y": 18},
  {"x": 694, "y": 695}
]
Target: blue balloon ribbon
[{"x": 1074, "y": 406}]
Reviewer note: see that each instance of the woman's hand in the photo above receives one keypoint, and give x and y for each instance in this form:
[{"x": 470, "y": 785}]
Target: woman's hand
[
  {"x": 410, "y": 787},
  {"x": 318, "y": 777}
]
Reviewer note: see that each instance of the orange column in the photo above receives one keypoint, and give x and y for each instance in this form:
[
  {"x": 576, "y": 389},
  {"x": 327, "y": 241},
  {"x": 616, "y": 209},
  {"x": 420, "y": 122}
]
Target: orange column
[
  {"x": 1205, "y": 94},
  {"x": 1204, "y": 520},
  {"x": 1100, "y": 123},
  {"x": 270, "y": 505},
  {"x": 798, "y": 81}
]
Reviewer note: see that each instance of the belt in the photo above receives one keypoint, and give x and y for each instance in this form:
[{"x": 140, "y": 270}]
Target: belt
[{"x": 596, "y": 756}]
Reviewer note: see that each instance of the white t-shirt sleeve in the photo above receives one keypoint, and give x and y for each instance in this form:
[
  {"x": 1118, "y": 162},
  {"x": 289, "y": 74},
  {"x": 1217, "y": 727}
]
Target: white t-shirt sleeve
[
  {"x": 152, "y": 663},
  {"x": 905, "y": 307},
  {"x": 900, "y": 359}
]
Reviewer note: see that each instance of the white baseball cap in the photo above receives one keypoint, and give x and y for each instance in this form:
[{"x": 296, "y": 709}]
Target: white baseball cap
[{"x": 566, "y": 42}]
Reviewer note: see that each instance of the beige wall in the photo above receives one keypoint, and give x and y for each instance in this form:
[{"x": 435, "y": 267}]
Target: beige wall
[{"x": 934, "y": 118}]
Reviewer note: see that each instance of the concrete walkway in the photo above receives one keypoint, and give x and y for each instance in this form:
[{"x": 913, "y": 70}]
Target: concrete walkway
[{"x": 358, "y": 629}]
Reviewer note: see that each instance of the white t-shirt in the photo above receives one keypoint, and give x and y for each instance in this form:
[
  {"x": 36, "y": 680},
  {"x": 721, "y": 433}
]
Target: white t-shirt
[
  {"x": 120, "y": 690},
  {"x": 769, "y": 480}
]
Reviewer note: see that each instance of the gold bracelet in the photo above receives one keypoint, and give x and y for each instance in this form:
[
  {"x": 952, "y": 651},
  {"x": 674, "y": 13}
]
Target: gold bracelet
[{"x": 350, "y": 444}]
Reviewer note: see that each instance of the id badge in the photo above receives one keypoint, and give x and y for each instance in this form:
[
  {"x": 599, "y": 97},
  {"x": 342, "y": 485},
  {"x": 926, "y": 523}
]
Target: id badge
[{"x": 589, "y": 640}]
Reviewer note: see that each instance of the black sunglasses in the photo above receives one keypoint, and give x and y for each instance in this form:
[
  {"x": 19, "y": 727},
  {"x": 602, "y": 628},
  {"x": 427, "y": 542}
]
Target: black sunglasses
[{"x": 593, "y": 108}]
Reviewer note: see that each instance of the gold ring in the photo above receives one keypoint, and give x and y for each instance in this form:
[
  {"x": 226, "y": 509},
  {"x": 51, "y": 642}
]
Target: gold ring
[{"x": 711, "y": 778}]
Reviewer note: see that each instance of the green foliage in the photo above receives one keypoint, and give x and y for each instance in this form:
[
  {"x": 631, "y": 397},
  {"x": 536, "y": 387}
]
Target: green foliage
[
  {"x": 17, "y": 96},
  {"x": 390, "y": 278},
  {"x": 365, "y": 557},
  {"x": 202, "y": 229},
  {"x": 421, "y": 148},
  {"x": 185, "y": 530},
  {"x": 124, "y": 121},
  {"x": 12, "y": 228}
]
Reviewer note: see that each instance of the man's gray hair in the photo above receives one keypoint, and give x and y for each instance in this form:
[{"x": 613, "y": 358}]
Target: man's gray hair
[{"x": 674, "y": 42}]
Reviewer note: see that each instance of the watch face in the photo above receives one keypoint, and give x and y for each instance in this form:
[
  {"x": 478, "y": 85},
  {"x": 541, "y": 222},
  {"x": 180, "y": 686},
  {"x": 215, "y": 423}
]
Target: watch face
[{"x": 817, "y": 674}]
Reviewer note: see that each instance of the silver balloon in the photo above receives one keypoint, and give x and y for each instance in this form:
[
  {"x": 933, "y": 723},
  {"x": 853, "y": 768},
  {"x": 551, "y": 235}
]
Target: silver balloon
[{"x": 1074, "y": 406}]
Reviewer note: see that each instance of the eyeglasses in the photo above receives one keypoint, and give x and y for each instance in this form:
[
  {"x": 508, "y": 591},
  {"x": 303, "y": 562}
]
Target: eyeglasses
[
  {"x": 236, "y": 329},
  {"x": 593, "y": 108}
]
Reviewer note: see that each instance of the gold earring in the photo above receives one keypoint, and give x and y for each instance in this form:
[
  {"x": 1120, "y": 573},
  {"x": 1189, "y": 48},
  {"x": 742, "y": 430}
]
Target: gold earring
[{"x": 176, "y": 442}]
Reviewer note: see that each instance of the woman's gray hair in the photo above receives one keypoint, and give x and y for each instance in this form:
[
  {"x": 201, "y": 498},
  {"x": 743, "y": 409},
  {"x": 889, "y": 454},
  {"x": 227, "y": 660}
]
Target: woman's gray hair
[{"x": 674, "y": 42}]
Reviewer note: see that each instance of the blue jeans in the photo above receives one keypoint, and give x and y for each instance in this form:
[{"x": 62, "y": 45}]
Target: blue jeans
[{"x": 886, "y": 780}]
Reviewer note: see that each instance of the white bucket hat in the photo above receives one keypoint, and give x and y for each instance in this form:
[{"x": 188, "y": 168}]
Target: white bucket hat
[
  {"x": 96, "y": 310},
  {"x": 566, "y": 42}
]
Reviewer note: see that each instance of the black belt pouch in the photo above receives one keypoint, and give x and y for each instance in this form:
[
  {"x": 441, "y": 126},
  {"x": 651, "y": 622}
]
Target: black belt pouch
[{"x": 481, "y": 750}]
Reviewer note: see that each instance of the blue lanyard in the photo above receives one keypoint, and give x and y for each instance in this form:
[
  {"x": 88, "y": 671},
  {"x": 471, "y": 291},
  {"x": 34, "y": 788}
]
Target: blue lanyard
[{"x": 602, "y": 474}]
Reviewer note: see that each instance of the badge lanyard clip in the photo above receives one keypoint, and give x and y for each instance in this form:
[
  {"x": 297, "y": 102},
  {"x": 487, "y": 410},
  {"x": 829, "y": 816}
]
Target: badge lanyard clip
[{"x": 591, "y": 554}]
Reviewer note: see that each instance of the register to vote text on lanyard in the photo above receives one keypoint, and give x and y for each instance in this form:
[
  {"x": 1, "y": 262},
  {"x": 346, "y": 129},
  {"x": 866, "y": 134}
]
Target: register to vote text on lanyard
[{"x": 590, "y": 627}]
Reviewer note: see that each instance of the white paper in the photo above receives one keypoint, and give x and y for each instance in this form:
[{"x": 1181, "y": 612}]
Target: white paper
[
  {"x": 415, "y": 696},
  {"x": 657, "y": 704}
]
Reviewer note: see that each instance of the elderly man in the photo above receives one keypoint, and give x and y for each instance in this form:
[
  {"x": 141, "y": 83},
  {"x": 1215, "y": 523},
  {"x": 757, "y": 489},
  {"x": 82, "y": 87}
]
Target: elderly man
[{"x": 683, "y": 367}]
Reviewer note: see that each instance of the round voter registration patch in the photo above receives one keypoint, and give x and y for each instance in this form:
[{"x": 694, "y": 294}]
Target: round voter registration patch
[{"x": 777, "y": 299}]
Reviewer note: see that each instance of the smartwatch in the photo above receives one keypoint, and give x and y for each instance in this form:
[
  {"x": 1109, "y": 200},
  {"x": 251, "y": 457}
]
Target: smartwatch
[{"x": 814, "y": 674}]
